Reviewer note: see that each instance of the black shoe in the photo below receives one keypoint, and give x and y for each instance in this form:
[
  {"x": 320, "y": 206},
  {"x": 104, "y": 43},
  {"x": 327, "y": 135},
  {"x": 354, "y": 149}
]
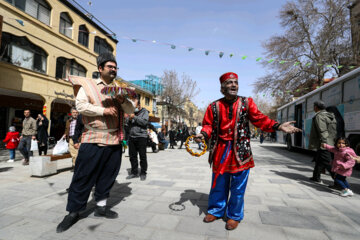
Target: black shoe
[
  {"x": 132, "y": 176},
  {"x": 143, "y": 177},
  {"x": 315, "y": 180},
  {"x": 105, "y": 212},
  {"x": 67, "y": 222},
  {"x": 156, "y": 151}
]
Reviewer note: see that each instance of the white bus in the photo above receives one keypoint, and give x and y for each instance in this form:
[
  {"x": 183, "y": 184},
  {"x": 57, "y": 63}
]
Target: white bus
[{"x": 343, "y": 92}]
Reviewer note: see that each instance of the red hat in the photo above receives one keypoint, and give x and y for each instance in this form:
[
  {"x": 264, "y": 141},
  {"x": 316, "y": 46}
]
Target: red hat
[{"x": 227, "y": 76}]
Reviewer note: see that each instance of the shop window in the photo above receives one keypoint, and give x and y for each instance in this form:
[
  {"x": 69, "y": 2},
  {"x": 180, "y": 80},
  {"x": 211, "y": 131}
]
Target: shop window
[
  {"x": 21, "y": 52},
  {"x": 83, "y": 36},
  {"x": 65, "y": 67},
  {"x": 147, "y": 101},
  {"x": 65, "y": 24},
  {"x": 39, "y": 9},
  {"x": 101, "y": 46}
]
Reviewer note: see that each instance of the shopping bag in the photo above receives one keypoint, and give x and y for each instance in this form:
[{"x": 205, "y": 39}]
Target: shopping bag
[
  {"x": 61, "y": 147},
  {"x": 34, "y": 145}
]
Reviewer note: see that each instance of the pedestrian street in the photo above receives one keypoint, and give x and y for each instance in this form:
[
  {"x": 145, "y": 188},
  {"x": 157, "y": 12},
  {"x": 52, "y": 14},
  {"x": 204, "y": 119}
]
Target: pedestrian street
[{"x": 280, "y": 201}]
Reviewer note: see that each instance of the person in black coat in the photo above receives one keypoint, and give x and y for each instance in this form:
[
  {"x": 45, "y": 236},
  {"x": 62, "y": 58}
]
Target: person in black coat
[
  {"x": 172, "y": 136},
  {"x": 42, "y": 124},
  {"x": 340, "y": 124},
  {"x": 185, "y": 135}
]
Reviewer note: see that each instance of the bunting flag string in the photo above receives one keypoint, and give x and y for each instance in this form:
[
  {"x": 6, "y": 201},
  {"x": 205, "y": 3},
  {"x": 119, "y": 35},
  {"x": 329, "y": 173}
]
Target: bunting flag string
[{"x": 221, "y": 54}]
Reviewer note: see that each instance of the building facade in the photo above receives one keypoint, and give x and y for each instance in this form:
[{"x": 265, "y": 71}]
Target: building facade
[{"x": 42, "y": 43}]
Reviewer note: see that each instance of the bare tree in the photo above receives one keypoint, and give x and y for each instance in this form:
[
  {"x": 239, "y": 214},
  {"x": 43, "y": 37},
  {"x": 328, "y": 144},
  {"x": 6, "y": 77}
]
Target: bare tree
[
  {"x": 317, "y": 34},
  {"x": 177, "y": 91}
]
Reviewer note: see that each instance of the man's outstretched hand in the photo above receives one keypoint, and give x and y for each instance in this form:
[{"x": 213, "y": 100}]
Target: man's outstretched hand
[{"x": 287, "y": 127}]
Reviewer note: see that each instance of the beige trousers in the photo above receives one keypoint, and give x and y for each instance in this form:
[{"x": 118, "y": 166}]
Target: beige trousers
[{"x": 73, "y": 151}]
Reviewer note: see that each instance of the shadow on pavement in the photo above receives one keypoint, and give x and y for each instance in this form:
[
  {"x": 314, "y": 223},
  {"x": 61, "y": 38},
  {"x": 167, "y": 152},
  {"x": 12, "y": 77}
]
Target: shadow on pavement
[
  {"x": 196, "y": 198},
  {"x": 5, "y": 169}
]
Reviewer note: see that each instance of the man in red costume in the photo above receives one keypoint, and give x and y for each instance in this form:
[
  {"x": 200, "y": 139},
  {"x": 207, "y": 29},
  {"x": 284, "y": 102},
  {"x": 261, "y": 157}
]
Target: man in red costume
[{"x": 226, "y": 125}]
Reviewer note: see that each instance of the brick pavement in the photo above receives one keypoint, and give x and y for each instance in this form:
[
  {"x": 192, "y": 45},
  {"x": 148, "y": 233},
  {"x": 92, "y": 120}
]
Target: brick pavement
[{"x": 280, "y": 202}]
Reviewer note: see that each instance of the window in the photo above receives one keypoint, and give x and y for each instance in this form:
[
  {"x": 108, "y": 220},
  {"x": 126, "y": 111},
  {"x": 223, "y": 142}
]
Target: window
[
  {"x": 65, "y": 25},
  {"x": 65, "y": 67},
  {"x": 147, "y": 101},
  {"x": 21, "y": 52},
  {"x": 95, "y": 75},
  {"x": 83, "y": 36},
  {"x": 39, "y": 9},
  {"x": 101, "y": 46}
]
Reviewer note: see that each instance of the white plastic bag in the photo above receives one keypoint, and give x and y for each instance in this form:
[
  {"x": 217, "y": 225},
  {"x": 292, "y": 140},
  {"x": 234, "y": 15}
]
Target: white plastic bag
[
  {"x": 34, "y": 145},
  {"x": 61, "y": 147}
]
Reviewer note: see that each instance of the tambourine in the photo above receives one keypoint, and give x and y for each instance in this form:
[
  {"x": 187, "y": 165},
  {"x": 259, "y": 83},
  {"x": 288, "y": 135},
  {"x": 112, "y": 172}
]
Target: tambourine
[
  {"x": 189, "y": 150},
  {"x": 113, "y": 91}
]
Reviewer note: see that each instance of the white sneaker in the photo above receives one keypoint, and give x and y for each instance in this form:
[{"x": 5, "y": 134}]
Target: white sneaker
[
  {"x": 345, "y": 193},
  {"x": 10, "y": 160},
  {"x": 350, "y": 192}
]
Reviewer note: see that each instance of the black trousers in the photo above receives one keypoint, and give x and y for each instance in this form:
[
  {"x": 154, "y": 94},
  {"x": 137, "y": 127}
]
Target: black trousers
[
  {"x": 322, "y": 161},
  {"x": 42, "y": 149},
  {"x": 95, "y": 165},
  {"x": 138, "y": 145}
]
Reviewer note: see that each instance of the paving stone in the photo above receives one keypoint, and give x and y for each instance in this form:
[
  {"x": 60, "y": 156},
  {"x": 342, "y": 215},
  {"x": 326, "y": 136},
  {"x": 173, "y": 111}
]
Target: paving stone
[
  {"x": 197, "y": 226},
  {"x": 337, "y": 225},
  {"x": 159, "y": 207},
  {"x": 280, "y": 181},
  {"x": 6, "y": 220},
  {"x": 256, "y": 231},
  {"x": 26, "y": 226},
  {"x": 252, "y": 199},
  {"x": 333, "y": 235},
  {"x": 161, "y": 183},
  {"x": 163, "y": 221},
  {"x": 136, "y": 232},
  {"x": 299, "y": 196},
  {"x": 299, "y": 234},
  {"x": 134, "y": 217},
  {"x": 290, "y": 220},
  {"x": 283, "y": 209},
  {"x": 171, "y": 235}
]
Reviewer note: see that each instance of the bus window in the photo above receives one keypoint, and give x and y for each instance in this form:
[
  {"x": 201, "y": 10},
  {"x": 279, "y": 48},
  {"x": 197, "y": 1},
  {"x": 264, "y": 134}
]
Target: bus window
[
  {"x": 284, "y": 115},
  {"x": 310, "y": 102},
  {"x": 291, "y": 115},
  {"x": 351, "y": 92},
  {"x": 332, "y": 96}
]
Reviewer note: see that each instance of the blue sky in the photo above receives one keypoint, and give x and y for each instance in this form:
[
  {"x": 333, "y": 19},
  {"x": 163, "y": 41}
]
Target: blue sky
[{"x": 231, "y": 26}]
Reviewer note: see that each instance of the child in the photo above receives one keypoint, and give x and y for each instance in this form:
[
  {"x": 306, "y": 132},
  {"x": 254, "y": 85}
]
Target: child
[
  {"x": 342, "y": 164},
  {"x": 12, "y": 141}
]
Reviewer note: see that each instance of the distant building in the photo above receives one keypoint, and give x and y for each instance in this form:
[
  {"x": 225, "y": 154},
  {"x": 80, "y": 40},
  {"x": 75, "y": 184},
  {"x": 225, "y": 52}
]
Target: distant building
[
  {"x": 151, "y": 83},
  {"x": 147, "y": 99},
  {"x": 42, "y": 43}
]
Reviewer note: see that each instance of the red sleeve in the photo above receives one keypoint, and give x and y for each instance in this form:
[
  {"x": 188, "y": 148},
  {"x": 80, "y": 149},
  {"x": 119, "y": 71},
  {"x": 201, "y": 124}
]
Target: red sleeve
[
  {"x": 207, "y": 122},
  {"x": 258, "y": 118},
  {"x": 7, "y": 138}
]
